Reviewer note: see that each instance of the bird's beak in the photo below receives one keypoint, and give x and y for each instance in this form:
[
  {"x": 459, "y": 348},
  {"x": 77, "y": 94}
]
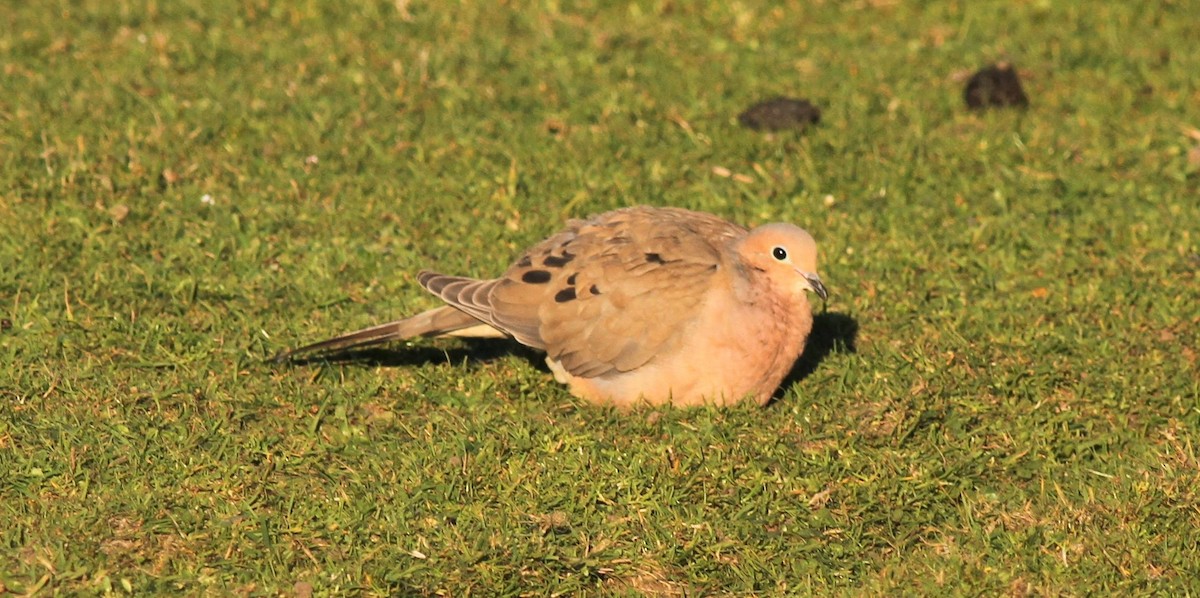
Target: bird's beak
[{"x": 817, "y": 286}]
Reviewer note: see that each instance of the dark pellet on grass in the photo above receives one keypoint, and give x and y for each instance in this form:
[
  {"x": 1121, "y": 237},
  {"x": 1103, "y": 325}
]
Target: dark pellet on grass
[
  {"x": 5, "y": 324},
  {"x": 778, "y": 114},
  {"x": 995, "y": 86}
]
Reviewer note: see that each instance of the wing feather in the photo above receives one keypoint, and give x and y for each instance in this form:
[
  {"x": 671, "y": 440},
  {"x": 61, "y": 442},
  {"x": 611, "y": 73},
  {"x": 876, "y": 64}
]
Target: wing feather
[{"x": 604, "y": 295}]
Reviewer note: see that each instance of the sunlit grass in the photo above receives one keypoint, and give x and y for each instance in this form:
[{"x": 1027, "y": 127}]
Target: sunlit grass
[{"x": 1004, "y": 395}]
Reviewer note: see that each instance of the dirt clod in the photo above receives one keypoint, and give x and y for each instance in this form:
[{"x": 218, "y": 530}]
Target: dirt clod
[
  {"x": 995, "y": 86},
  {"x": 778, "y": 114}
]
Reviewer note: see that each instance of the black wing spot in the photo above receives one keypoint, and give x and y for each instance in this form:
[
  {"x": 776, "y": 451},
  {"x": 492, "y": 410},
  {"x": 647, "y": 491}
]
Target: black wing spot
[
  {"x": 565, "y": 295},
  {"x": 536, "y": 277},
  {"x": 571, "y": 279},
  {"x": 594, "y": 290},
  {"x": 655, "y": 258},
  {"x": 524, "y": 262},
  {"x": 555, "y": 261}
]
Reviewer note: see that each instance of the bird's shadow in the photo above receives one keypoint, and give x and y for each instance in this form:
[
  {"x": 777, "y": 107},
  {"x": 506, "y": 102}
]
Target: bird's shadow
[
  {"x": 470, "y": 351},
  {"x": 832, "y": 332}
]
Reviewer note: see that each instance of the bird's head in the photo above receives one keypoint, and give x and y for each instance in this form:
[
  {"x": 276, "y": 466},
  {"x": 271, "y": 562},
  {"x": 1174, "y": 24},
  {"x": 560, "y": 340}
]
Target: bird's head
[{"x": 787, "y": 255}]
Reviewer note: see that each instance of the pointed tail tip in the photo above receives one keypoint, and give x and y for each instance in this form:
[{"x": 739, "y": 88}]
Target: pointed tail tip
[
  {"x": 283, "y": 356},
  {"x": 300, "y": 354}
]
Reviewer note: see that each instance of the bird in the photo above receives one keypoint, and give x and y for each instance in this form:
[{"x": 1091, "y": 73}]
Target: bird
[{"x": 637, "y": 306}]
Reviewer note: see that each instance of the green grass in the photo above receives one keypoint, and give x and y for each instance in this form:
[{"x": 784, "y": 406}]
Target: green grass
[{"x": 1007, "y": 399}]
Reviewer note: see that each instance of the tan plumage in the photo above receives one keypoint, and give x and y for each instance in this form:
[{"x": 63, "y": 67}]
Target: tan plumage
[{"x": 639, "y": 304}]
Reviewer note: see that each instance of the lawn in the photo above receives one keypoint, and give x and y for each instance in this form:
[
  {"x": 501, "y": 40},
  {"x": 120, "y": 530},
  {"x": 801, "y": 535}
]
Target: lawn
[{"x": 1001, "y": 397}]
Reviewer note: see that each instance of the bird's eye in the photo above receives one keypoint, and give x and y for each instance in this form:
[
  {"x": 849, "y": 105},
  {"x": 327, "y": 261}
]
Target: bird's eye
[{"x": 779, "y": 253}]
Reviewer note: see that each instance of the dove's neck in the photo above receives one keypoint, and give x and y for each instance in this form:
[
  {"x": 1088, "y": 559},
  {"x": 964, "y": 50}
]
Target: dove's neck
[
  {"x": 772, "y": 323},
  {"x": 753, "y": 287}
]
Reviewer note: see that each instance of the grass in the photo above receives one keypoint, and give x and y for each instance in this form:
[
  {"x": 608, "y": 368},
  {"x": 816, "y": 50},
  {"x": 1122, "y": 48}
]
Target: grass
[{"x": 1003, "y": 396}]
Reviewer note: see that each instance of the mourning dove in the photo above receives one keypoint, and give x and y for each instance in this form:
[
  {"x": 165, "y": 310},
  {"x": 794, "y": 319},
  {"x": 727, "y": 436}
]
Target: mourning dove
[{"x": 642, "y": 304}]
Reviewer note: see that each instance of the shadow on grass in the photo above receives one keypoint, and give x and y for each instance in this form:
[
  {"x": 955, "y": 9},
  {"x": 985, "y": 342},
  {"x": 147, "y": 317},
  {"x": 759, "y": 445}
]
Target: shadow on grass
[
  {"x": 832, "y": 332},
  {"x": 470, "y": 351}
]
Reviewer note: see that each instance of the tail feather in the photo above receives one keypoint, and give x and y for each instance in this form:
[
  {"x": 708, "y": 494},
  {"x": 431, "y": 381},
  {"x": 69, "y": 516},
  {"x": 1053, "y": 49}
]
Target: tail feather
[{"x": 440, "y": 321}]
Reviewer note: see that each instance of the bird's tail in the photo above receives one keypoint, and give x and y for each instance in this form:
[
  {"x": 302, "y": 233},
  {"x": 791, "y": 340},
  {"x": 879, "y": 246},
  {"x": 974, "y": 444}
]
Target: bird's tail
[{"x": 441, "y": 321}]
